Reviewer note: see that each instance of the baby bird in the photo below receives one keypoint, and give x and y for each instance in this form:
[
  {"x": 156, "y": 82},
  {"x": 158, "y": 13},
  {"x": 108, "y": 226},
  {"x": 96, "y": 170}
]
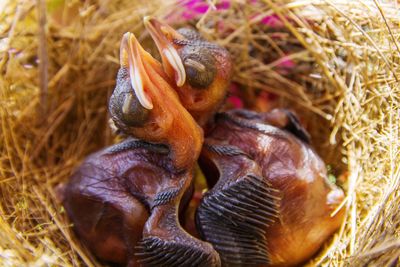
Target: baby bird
[
  {"x": 124, "y": 200},
  {"x": 270, "y": 203},
  {"x": 283, "y": 216}
]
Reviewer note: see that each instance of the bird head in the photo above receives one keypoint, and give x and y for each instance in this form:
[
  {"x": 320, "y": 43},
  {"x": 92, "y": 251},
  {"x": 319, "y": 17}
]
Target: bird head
[
  {"x": 201, "y": 70},
  {"x": 145, "y": 106}
]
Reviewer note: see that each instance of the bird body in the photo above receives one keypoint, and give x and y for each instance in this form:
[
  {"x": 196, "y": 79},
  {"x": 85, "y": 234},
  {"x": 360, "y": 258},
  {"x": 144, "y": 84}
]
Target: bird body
[
  {"x": 296, "y": 178},
  {"x": 109, "y": 197}
]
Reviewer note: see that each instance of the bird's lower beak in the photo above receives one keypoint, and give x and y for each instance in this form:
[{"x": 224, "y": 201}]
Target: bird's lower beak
[{"x": 164, "y": 36}]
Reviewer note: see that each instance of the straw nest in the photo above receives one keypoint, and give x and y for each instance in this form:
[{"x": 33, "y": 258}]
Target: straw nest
[{"x": 58, "y": 63}]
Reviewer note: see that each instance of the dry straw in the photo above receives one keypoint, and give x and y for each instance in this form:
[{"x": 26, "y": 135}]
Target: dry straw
[{"x": 58, "y": 62}]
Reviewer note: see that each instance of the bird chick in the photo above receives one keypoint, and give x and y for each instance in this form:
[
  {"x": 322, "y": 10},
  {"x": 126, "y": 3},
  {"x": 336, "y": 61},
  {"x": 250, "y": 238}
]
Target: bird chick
[
  {"x": 124, "y": 201},
  {"x": 245, "y": 214},
  {"x": 286, "y": 208}
]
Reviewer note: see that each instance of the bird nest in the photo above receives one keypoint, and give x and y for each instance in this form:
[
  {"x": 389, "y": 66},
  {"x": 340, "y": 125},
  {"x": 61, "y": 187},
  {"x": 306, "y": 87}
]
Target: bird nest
[{"x": 335, "y": 62}]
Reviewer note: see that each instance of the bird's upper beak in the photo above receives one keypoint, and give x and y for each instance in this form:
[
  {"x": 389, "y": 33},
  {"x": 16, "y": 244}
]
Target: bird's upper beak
[
  {"x": 165, "y": 36},
  {"x": 131, "y": 54}
]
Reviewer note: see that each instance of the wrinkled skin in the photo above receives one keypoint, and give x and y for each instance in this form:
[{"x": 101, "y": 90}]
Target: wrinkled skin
[
  {"x": 124, "y": 201},
  {"x": 109, "y": 197},
  {"x": 298, "y": 197}
]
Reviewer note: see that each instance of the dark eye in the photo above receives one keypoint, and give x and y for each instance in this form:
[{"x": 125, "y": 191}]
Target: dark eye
[
  {"x": 124, "y": 106},
  {"x": 199, "y": 66}
]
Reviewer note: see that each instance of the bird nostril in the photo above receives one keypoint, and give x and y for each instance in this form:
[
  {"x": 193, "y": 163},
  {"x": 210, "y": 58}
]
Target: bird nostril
[{"x": 155, "y": 129}]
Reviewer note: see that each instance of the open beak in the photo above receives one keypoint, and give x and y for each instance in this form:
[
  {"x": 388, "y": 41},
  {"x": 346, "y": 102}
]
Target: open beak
[
  {"x": 164, "y": 35},
  {"x": 131, "y": 54}
]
